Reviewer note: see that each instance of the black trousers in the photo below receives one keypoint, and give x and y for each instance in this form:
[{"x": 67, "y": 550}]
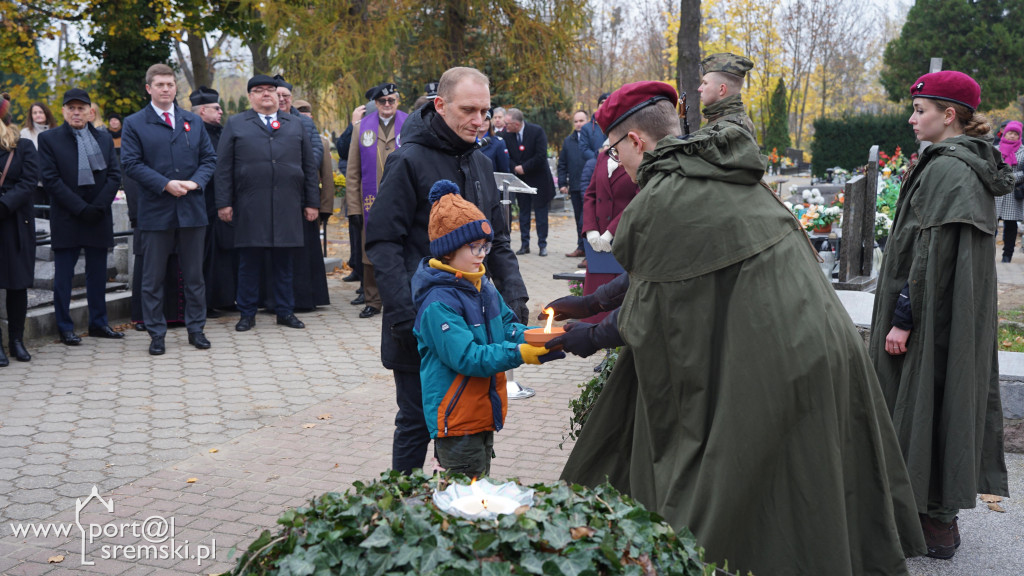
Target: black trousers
[
  {"x": 1009, "y": 237},
  {"x": 64, "y": 260},
  {"x": 17, "y": 309},
  {"x": 355, "y": 242},
  {"x": 157, "y": 247},
  {"x": 577, "y": 209},
  {"x": 409, "y": 449},
  {"x": 540, "y": 208}
]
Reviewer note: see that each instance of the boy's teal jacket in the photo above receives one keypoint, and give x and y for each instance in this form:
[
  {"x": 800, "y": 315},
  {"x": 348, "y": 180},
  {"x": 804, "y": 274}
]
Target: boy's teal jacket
[{"x": 467, "y": 339}]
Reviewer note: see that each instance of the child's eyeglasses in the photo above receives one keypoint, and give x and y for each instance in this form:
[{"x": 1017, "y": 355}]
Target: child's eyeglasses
[{"x": 480, "y": 249}]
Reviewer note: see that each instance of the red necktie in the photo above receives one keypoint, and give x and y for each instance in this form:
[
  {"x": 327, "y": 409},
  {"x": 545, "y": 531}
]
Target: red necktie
[{"x": 167, "y": 117}]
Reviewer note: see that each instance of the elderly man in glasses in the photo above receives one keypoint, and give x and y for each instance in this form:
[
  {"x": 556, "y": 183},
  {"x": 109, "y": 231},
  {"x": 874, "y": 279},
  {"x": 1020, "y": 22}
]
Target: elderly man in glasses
[{"x": 375, "y": 137}]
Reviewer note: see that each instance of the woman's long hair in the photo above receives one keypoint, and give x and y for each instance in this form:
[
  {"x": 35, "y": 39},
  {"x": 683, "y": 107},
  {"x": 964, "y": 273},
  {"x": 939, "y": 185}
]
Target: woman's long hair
[
  {"x": 51, "y": 122},
  {"x": 9, "y": 134}
]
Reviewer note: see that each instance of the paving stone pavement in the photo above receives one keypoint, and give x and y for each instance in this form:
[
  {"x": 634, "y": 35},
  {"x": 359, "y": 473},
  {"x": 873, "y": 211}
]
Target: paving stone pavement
[{"x": 221, "y": 442}]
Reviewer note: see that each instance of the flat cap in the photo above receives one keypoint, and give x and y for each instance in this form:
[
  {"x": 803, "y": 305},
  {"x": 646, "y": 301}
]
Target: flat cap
[
  {"x": 726, "y": 62},
  {"x": 260, "y": 80},
  {"x": 630, "y": 99},
  {"x": 204, "y": 95},
  {"x": 381, "y": 91},
  {"x": 77, "y": 94},
  {"x": 302, "y": 106},
  {"x": 948, "y": 85}
]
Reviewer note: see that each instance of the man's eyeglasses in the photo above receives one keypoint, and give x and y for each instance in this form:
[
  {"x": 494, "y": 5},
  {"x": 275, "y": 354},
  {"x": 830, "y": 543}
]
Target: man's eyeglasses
[
  {"x": 263, "y": 89},
  {"x": 480, "y": 249},
  {"x": 613, "y": 152},
  {"x": 383, "y": 101}
]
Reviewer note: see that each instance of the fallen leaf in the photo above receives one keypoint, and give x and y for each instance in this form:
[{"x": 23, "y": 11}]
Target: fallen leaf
[
  {"x": 335, "y": 464},
  {"x": 989, "y": 498},
  {"x": 191, "y": 480},
  {"x": 995, "y": 507},
  {"x": 521, "y": 510},
  {"x": 214, "y": 450},
  {"x": 55, "y": 559},
  {"x": 581, "y": 532},
  {"x": 309, "y": 425},
  {"x": 324, "y": 417}
]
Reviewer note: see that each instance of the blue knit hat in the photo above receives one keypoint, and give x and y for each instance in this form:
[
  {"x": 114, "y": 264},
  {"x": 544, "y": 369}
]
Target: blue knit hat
[{"x": 454, "y": 221}]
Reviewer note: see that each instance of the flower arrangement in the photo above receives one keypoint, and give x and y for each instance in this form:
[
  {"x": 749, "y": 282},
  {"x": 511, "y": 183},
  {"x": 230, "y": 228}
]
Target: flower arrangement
[
  {"x": 339, "y": 185},
  {"x": 773, "y": 158},
  {"x": 894, "y": 168},
  {"x": 813, "y": 214},
  {"x": 882, "y": 225},
  {"x": 575, "y": 287}
]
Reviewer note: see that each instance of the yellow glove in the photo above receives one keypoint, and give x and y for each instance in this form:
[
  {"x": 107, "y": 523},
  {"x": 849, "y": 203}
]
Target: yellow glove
[{"x": 538, "y": 354}]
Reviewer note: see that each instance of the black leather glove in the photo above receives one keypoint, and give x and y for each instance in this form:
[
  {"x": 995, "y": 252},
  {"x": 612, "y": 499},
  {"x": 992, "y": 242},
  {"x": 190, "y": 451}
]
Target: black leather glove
[
  {"x": 135, "y": 223},
  {"x": 576, "y": 340},
  {"x": 520, "y": 309},
  {"x": 572, "y": 307},
  {"x": 4, "y": 211},
  {"x": 91, "y": 214}
]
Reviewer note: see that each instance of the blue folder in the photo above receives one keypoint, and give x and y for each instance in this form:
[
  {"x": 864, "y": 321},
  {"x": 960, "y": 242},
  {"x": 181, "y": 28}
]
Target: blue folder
[{"x": 601, "y": 262}]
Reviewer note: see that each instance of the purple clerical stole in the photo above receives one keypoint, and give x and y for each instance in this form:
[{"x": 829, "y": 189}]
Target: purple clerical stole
[{"x": 368, "y": 154}]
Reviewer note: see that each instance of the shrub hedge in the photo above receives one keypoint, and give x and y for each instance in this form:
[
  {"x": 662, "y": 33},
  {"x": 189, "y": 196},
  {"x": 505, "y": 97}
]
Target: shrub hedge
[{"x": 845, "y": 141}]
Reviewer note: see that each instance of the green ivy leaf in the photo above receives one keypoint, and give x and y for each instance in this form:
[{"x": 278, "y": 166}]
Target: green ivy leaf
[
  {"x": 381, "y": 537},
  {"x": 495, "y": 569}
]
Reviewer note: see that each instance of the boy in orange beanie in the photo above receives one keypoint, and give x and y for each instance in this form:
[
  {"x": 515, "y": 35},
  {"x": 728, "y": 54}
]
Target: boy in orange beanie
[{"x": 468, "y": 337}]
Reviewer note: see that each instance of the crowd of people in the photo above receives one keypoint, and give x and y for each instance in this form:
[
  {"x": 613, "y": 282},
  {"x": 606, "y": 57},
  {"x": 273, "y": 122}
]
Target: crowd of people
[{"x": 708, "y": 417}]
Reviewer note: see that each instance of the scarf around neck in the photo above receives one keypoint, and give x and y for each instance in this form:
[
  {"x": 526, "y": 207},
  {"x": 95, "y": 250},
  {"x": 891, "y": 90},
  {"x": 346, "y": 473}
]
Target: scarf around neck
[
  {"x": 90, "y": 158},
  {"x": 1009, "y": 149}
]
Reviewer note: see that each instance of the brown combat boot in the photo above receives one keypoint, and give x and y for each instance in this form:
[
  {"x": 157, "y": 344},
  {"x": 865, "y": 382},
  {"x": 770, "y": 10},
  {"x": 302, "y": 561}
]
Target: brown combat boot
[{"x": 939, "y": 536}]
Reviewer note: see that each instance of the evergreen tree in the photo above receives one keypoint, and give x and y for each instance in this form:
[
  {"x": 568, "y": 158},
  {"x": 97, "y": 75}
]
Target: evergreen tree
[
  {"x": 777, "y": 136},
  {"x": 981, "y": 38}
]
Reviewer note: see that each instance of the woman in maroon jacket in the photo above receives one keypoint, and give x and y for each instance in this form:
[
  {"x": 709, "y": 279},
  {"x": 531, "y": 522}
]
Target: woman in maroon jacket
[{"x": 608, "y": 194}]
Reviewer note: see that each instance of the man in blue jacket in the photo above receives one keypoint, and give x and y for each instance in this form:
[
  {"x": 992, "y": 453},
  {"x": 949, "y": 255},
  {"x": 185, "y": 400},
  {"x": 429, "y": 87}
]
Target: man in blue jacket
[
  {"x": 167, "y": 152},
  {"x": 575, "y": 152}
]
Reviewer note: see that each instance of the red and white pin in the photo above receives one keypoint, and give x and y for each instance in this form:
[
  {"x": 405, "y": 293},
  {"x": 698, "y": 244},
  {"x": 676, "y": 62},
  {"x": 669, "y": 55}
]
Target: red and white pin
[
  {"x": 275, "y": 124},
  {"x": 522, "y": 148},
  {"x": 188, "y": 127}
]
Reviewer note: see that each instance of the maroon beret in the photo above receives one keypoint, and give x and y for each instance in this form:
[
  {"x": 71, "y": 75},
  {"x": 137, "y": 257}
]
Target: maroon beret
[
  {"x": 631, "y": 98},
  {"x": 948, "y": 85}
]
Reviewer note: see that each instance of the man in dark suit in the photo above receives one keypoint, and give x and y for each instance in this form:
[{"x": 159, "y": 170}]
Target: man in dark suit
[
  {"x": 167, "y": 152},
  {"x": 575, "y": 153},
  {"x": 266, "y": 184},
  {"x": 528, "y": 155},
  {"x": 81, "y": 174}
]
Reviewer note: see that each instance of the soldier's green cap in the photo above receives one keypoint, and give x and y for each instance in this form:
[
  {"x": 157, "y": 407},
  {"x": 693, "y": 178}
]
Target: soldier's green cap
[{"x": 726, "y": 62}]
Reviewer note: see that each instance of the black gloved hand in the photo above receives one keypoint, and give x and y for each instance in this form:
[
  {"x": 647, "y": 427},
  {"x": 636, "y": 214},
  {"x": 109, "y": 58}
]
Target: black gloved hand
[
  {"x": 91, "y": 214},
  {"x": 4, "y": 211},
  {"x": 572, "y": 307},
  {"x": 520, "y": 309},
  {"x": 135, "y": 223},
  {"x": 356, "y": 220},
  {"x": 576, "y": 340}
]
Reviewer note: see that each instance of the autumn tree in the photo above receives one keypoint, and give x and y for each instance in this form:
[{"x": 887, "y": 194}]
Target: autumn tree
[
  {"x": 22, "y": 73},
  {"x": 980, "y": 38}
]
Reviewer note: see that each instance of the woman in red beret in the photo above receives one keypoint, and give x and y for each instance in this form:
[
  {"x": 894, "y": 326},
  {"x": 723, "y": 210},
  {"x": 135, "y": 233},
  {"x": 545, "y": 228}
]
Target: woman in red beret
[{"x": 933, "y": 338}]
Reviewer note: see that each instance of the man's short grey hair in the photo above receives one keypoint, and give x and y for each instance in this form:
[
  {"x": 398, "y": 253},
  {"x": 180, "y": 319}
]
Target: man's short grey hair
[
  {"x": 733, "y": 83},
  {"x": 452, "y": 76},
  {"x": 499, "y": 110},
  {"x": 514, "y": 114}
]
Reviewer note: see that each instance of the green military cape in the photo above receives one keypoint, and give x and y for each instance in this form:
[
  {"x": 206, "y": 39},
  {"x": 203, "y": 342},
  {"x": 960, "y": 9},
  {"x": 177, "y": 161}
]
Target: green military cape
[
  {"x": 744, "y": 405},
  {"x": 944, "y": 392}
]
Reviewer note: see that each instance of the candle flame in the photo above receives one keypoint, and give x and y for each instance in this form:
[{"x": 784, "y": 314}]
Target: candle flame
[{"x": 551, "y": 316}]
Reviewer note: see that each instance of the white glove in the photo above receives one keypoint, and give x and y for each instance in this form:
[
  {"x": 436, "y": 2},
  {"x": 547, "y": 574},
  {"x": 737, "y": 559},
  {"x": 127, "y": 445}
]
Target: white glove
[
  {"x": 607, "y": 239},
  {"x": 593, "y": 237},
  {"x": 598, "y": 242}
]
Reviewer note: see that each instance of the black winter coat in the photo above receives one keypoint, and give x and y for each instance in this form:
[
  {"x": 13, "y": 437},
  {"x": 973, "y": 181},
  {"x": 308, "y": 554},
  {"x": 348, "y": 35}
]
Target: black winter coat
[
  {"x": 267, "y": 178},
  {"x": 397, "y": 241},
  {"x": 18, "y": 229},
  {"x": 571, "y": 160},
  {"x": 58, "y": 170}
]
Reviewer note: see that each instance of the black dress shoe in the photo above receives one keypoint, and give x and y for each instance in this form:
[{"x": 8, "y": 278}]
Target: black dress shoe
[
  {"x": 140, "y": 326},
  {"x": 369, "y": 311},
  {"x": 358, "y": 301},
  {"x": 18, "y": 350},
  {"x": 156, "y": 346},
  {"x": 350, "y": 278},
  {"x": 211, "y": 313},
  {"x": 1006, "y": 259},
  {"x": 70, "y": 339},
  {"x": 524, "y": 250},
  {"x": 104, "y": 332},
  {"x": 3, "y": 358},
  {"x": 198, "y": 339},
  {"x": 245, "y": 323},
  {"x": 543, "y": 252},
  {"x": 290, "y": 321}
]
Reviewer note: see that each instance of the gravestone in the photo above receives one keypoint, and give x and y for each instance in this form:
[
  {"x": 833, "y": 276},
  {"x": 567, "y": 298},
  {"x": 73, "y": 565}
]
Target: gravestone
[{"x": 857, "y": 249}]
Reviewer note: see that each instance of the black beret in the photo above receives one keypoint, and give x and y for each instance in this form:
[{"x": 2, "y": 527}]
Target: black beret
[
  {"x": 281, "y": 82},
  {"x": 382, "y": 90},
  {"x": 260, "y": 80},
  {"x": 204, "y": 95}
]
